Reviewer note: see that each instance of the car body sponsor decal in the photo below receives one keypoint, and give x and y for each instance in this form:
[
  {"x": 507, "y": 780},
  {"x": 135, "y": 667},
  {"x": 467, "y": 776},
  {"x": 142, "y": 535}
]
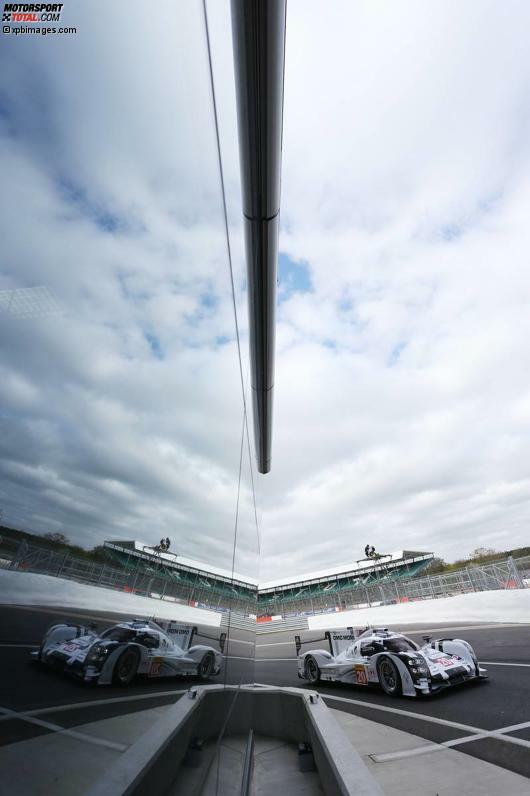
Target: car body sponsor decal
[
  {"x": 154, "y": 669},
  {"x": 360, "y": 674}
]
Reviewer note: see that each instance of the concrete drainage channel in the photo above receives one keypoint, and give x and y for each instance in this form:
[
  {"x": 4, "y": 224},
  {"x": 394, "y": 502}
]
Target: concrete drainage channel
[{"x": 203, "y": 745}]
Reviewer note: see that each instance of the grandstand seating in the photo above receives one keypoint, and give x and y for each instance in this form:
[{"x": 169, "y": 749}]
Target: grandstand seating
[
  {"x": 196, "y": 587},
  {"x": 327, "y": 594},
  {"x": 146, "y": 572}
]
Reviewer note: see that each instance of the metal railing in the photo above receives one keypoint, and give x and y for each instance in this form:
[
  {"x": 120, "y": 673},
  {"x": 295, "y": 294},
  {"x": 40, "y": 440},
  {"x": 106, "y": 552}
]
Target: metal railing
[
  {"x": 506, "y": 574},
  {"x": 133, "y": 580}
]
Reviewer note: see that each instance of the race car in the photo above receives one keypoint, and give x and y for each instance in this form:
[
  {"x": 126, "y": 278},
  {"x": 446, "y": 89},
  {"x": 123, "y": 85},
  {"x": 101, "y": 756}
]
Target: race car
[
  {"x": 123, "y": 651},
  {"x": 391, "y": 660}
]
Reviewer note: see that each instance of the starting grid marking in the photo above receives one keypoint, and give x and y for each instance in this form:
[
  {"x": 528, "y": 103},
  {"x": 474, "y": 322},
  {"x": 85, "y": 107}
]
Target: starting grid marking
[
  {"x": 8, "y": 715},
  {"x": 80, "y": 736},
  {"x": 498, "y": 734},
  {"x": 475, "y": 733}
]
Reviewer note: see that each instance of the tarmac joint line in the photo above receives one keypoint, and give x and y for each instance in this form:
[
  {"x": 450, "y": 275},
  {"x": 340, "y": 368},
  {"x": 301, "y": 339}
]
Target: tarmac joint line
[
  {"x": 498, "y": 734},
  {"x": 80, "y": 736}
]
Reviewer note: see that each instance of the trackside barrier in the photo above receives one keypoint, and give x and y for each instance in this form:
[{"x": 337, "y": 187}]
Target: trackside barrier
[
  {"x": 239, "y": 621},
  {"x": 277, "y": 625},
  {"x": 509, "y": 573},
  {"x": 155, "y": 583},
  {"x": 506, "y": 574},
  {"x": 153, "y": 763}
]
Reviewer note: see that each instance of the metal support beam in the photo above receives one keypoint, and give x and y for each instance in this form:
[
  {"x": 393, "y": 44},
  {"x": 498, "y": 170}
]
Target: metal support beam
[{"x": 258, "y": 31}]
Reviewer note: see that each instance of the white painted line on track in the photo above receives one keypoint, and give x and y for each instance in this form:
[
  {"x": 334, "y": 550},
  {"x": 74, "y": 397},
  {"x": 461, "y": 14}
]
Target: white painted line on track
[
  {"x": 238, "y": 658},
  {"x": 95, "y": 703},
  {"x": 502, "y": 663},
  {"x": 277, "y": 643},
  {"x": 236, "y": 641},
  {"x": 413, "y": 632},
  {"x": 457, "y": 629},
  {"x": 477, "y": 732},
  {"x": 80, "y": 736},
  {"x": 399, "y": 712},
  {"x": 14, "y": 646},
  {"x": 427, "y": 749},
  {"x": 275, "y": 660}
]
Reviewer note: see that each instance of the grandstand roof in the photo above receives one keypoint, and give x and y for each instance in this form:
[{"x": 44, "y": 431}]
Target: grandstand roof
[
  {"x": 174, "y": 558},
  {"x": 364, "y": 565}
]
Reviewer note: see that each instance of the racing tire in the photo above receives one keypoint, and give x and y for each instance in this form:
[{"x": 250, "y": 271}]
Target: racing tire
[
  {"x": 206, "y": 666},
  {"x": 126, "y": 667},
  {"x": 311, "y": 670},
  {"x": 389, "y": 677}
]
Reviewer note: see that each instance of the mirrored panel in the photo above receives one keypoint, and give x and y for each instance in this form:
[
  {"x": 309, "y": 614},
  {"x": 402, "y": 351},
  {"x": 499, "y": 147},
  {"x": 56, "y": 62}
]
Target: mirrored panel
[{"x": 128, "y": 542}]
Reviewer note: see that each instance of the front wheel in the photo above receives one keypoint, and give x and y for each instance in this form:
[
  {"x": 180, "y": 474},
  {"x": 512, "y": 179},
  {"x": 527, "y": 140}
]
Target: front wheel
[
  {"x": 206, "y": 666},
  {"x": 311, "y": 671},
  {"x": 389, "y": 677},
  {"x": 126, "y": 666}
]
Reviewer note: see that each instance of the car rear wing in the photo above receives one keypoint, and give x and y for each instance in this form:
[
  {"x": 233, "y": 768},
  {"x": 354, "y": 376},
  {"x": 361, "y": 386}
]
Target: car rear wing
[
  {"x": 338, "y": 639},
  {"x": 179, "y": 633},
  {"x": 183, "y": 634}
]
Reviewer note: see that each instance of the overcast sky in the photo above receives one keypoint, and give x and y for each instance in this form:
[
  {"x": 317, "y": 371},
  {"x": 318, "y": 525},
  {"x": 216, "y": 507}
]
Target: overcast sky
[{"x": 402, "y": 399}]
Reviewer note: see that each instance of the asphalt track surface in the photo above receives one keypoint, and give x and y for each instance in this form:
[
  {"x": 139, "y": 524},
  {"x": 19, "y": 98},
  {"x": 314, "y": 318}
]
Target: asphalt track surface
[{"x": 472, "y": 710}]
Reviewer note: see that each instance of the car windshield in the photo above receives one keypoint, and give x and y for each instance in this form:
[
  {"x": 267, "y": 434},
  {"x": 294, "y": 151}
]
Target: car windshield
[
  {"x": 118, "y": 634},
  {"x": 399, "y": 645}
]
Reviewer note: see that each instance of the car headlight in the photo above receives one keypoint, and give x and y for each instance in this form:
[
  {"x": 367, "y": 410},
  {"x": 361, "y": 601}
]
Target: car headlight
[
  {"x": 417, "y": 666},
  {"x": 97, "y": 653}
]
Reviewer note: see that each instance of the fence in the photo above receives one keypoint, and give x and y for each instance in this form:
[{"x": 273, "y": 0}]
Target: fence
[
  {"x": 507, "y": 574},
  {"x": 134, "y": 580}
]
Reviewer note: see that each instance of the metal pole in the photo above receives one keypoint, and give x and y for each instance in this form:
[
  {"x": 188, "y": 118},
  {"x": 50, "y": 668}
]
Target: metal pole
[
  {"x": 258, "y": 33},
  {"x": 515, "y": 573},
  {"x": 248, "y": 765}
]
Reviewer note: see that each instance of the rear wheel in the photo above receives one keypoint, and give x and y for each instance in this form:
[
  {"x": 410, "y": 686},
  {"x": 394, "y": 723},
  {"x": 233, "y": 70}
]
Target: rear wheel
[
  {"x": 311, "y": 670},
  {"x": 206, "y": 666},
  {"x": 389, "y": 677},
  {"x": 126, "y": 666}
]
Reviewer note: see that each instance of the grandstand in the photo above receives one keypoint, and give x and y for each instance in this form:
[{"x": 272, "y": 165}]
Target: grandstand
[
  {"x": 336, "y": 589},
  {"x": 152, "y": 570},
  {"x": 172, "y": 576}
]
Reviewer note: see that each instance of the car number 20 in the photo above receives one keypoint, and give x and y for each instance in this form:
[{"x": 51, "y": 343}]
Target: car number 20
[
  {"x": 154, "y": 669},
  {"x": 360, "y": 674}
]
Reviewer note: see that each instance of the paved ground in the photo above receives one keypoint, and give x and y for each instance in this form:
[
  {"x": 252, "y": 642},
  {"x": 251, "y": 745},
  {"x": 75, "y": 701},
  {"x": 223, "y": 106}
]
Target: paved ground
[
  {"x": 504, "y": 701},
  {"x": 55, "y": 701}
]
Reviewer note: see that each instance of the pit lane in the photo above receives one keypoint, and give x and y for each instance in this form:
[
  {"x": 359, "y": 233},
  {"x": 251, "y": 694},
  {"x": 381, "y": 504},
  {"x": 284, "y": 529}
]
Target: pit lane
[{"x": 26, "y": 687}]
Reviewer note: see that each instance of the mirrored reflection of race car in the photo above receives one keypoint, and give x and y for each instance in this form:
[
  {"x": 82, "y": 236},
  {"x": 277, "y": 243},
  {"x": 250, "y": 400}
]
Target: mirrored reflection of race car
[
  {"x": 123, "y": 651},
  {"x": 391, "y": 660}
]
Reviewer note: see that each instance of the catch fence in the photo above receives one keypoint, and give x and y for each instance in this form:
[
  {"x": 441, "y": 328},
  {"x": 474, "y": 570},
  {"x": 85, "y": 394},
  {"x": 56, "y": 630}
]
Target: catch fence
[
  {"x": 152, "y": 581},
  {"x": 163, "y": 584}
]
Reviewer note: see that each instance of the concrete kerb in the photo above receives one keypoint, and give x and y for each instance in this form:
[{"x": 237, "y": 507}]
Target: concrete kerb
[
  {"x": 151, "y": 764},
  {"x": 152, "y": 752}
]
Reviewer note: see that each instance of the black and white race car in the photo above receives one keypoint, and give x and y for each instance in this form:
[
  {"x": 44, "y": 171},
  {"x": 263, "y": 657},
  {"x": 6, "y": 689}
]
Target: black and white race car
[
  {"x": 140, "y": 647},
  {"x": 397, "y": 664}
]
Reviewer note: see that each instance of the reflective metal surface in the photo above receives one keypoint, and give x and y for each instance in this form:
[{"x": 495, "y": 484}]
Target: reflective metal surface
[{"x": 259, "y": 42}]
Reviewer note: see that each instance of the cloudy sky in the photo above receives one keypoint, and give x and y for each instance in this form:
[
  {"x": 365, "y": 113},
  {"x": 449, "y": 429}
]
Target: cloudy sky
[{"x": 402, "y": 414}]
